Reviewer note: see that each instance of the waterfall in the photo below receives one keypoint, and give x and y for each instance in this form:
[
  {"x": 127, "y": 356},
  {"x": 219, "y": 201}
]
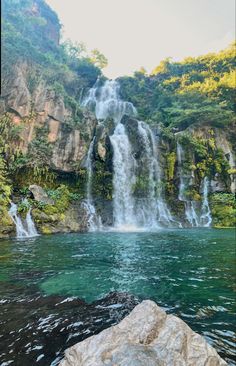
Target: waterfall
[
  {"x": 154, "y": 208},
  {"x": 123, "y": 178},
  {"x": 185, "y": 180},
  {"x": 31, "y": 229},
  {"x": 25, "y": 229},
  {"x": 205, "y": 218},
  {"x": 195, "y": 220},
  {"x": 105, "y": 102},
  {"x": 94, "y": 221},
  {"x": 150, "y": 211}
]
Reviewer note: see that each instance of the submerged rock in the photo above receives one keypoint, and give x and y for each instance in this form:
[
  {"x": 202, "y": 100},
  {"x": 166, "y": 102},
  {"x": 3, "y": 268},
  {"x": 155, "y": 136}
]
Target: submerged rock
[{"x": 147, "y": 336}]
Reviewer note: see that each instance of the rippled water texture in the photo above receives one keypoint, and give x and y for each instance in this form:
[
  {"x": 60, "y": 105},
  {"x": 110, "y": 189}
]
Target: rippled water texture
[{"x": 190, "y": 273}]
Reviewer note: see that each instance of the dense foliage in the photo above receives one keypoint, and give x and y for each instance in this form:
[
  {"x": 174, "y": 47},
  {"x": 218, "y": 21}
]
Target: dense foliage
[
  {"x": 31, "y": 32},
  {"x": 179, "y": 94}
]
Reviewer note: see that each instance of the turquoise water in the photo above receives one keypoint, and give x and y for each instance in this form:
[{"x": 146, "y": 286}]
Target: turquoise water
[{"x": 189, "y": 272}]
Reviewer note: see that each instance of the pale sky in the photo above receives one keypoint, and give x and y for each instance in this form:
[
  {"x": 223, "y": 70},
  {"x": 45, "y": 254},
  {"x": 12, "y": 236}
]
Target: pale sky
[{"x": 135, "y": 33}]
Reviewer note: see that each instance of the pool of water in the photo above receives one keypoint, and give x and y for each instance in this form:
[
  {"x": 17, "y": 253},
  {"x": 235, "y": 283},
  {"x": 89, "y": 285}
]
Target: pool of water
[{"x": 189, "y": 272}]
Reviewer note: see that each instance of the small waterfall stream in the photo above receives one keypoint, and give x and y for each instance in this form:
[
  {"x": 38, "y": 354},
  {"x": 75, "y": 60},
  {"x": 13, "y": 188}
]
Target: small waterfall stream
[
  {"x": 94, "y": 221},
  {"x": 185, "y": 180},
  {"x": 26, "y": 228},
  {"x": 31, "y": 228},
  {"x": 154, "y": 209},
  {"x": 204, "y": 217}
]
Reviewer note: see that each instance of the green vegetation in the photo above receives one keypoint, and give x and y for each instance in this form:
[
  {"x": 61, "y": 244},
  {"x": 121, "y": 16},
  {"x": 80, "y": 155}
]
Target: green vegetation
[
  {"x": 31, "y": 32},
  {"x": 53, "y": 213},
  {"x": 209, "y": 159},
  {"x": 31, "y": 35},
  {"x": 180, "y": 94},
  {"x": 102, "y": 182},
  {"x": 5, "y": 191},
  {"x": 223, "y": 206}
]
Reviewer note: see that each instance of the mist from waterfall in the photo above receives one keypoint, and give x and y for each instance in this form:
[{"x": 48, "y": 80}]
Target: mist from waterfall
[{"x": 24, "y": 228}]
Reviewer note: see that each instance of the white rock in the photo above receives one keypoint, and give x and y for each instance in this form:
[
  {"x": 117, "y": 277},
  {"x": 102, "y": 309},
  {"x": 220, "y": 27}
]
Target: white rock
[{"x": 146, "y": 337}]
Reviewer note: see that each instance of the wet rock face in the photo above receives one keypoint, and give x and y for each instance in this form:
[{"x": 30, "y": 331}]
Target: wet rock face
[{"x": 147, "y": 336}]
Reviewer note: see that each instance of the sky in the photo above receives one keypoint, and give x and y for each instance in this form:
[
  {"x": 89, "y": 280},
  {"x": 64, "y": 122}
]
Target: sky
[{"x": 141, "y": 33}]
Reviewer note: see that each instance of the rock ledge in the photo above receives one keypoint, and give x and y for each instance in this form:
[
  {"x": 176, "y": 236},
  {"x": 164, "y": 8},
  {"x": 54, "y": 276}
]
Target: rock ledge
[{"x": 146, "y": 337}]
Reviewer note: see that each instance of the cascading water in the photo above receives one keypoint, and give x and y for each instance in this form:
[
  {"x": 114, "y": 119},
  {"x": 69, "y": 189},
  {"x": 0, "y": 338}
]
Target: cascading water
[
  {"x": 94, "y": 221},
  {"x": 25, "y": 229},
  {"x": 106, "y": 103},
  {"x": 185, "y": 179},
  {"x": 128, "y": 212},
  {"x": 123, "y": 179},
  {"x": 195, "y": 220},
  {"x": 153, "y": 209},
  {"x": 31, "y": 229},
  {"x": 205, "y": 218}
]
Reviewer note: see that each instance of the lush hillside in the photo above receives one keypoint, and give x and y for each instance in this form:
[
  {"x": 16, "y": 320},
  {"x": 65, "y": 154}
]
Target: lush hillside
[
  {"x": 33, "y": 59},
  {"x": 179, "y": 94}
]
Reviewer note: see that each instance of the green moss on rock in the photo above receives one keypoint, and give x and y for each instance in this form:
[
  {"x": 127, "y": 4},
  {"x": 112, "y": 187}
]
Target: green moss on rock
[{"x": 223, "y": 208}]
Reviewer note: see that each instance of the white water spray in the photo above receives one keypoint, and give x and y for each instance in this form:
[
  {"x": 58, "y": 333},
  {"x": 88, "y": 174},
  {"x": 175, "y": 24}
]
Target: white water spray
[
  {"x": 31, "y": 228},
  {"x": 154, "y": 210},
  {"x": 128, "y": 212},
  {"x": 106, "y": 102},
  {"x": 190, "y": 206},
  {"x": 24, "y": 229},
  {"x": 205, "y": 218},
  {"x": 123, "y": 178}
]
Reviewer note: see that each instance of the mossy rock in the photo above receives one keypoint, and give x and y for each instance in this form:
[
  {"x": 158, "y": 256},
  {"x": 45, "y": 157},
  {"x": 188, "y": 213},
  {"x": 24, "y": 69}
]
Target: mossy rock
[
  {"x": 223, "y": 209},
  {"x": 46, "y": 230}
]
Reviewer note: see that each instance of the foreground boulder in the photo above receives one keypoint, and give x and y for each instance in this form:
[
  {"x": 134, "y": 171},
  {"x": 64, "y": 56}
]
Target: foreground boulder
[{"x": 146, "y": 337}]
